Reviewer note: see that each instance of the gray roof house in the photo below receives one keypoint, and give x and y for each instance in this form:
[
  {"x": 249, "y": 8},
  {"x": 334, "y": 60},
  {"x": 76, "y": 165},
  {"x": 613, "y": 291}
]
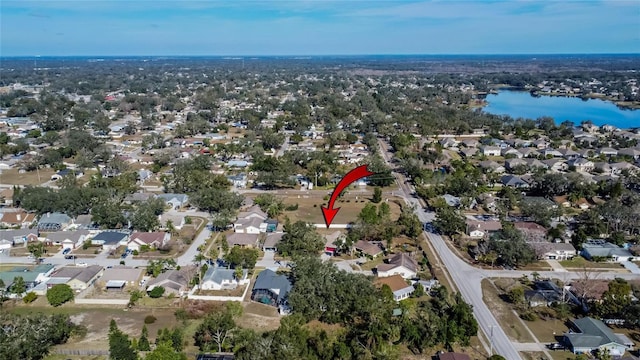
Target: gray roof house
[
  {"x": 68, "y": 239},
  {"x": 175, "y": 200},
  {"x": 11, "y": 238},
  {"x": 78, "y": 278},
  {"x": 53, "y": 222},
  {"x": 242, "y": 239},
  {"x": 110, "y": 238},
  {"x": 271, "y": 241},
  {"x": 272, "y": 289},
  {"x": 217, "y": 278},
  {"x": 590, "y": 334},
  {"x": 601, "y": 248}
]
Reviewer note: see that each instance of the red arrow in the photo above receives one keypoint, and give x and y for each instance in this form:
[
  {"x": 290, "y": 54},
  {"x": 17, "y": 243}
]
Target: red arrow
[{"x": 358, "y": 173}]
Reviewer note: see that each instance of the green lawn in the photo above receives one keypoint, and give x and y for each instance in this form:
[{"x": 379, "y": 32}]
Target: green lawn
[{"x": 580, "y": 262}]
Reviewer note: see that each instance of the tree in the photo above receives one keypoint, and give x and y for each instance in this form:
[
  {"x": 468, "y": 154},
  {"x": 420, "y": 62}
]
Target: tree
[
  {"x": 18, "y": 286},
  {"x": 59, "y": 294},
  {"x": 243, "y": 258},
  {"x": 377, "y": 195},
  {"x": 511, "y": 247},
  {"x": 300, "y": 238},
  {"x": 156, "y": 292},
  {"x": 120, "y": 347},
  {"x": 215, "y": 332},
  {"x": 143, "y": 343},
  {"x": 164, "y": 351},
  {"x": 410, "y": 223},
  {"x": 616, "y": 299},
  {"x": 145, "y": 217},
  {"x": 31, "y": 336},
  {"x": 449, "y": 221},
  {"x": 36, "y": 249}
]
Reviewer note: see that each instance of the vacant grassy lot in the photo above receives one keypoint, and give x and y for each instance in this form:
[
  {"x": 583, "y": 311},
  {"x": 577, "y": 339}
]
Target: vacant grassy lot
[
  {"x": 580, "y": 262},
  {"x": 13, "y": 177},
  {"x": 509, "y": 322},
  {"x": 309, "y": 208},
  {"x": 235, "y": 292}
]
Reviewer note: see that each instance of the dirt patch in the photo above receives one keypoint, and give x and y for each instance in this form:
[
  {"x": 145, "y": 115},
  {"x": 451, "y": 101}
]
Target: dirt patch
[
  {"x": 259, "y": 317},
  {"x": 13, "y": 177},
  {"x": 509, "y": 322},
  {"x": 235, "y": 292},
  {"x": 349, "y": 206}
]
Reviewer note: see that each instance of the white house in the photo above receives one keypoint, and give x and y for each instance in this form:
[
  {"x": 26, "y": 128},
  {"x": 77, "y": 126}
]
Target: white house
[
  {"x": 217, "y": 278},
  {"x": 490, "y": 151},
  {"x": 155, "y": 240},
  {"x": 251, "y": 225},
  {"x": 400, "y": 264},
  {"x": 560, "y": 251}
]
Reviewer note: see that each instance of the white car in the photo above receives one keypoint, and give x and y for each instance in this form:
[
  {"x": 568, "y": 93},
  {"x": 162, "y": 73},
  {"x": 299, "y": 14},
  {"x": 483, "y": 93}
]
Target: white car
[{"x": 82, "y": 264}]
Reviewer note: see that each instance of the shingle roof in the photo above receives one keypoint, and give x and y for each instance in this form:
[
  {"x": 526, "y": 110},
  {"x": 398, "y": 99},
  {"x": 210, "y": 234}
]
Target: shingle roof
[
  {"x": 242, "y": 239},
  {"x": 84, "y": 274},
  {"x": 593, "y": 333},
  {"x": 270, "y": 280},
  {"x": 395, "y": 282},
  {"x": 110, "y": 237},
  {"x": 401, "y": 259},
  {"x": 121, "y": 273}
]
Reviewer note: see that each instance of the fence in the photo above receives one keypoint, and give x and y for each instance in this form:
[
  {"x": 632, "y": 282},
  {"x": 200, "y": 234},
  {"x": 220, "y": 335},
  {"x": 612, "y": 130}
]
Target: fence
[
  {"x": 220, "y": 298},
  {"x": 80, "y": 352}
]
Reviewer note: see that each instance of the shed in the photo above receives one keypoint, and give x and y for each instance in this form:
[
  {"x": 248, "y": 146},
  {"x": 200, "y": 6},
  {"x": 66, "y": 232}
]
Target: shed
[{"x": 115, "y": 285}]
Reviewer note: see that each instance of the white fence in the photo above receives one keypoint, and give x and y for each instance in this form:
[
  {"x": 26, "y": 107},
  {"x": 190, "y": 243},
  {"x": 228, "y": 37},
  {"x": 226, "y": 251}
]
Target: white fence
[{"x": 219, "y": 298}]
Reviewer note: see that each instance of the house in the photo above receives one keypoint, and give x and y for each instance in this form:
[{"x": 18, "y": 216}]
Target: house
[
  {"x": 68, "y": 239},
  {"x": 9, "y": 238},
  {"x": 490, "y": 150},
  {"x": 173, "y": 281},
  {"x": 511, "y": 152},
  {"x": 137, "y": 197},
  {"x": 177, "y": 221},
  {"x": 250, "y": 225},
  {"x": 272, "y": 289},
  {"x": 602, "y": 249},
  {"x": 330, "y": 247},
  {"x": 78, "y": 278},
  {"x": 427, "y": 285},
  {"x": 154, "y": 240},
  {"x": 453, "y": 356},
  {"x": 31, "y": 277},
  {"x": 560, "y": 251},
  {"x": 606, "y": 151},
  {"x": 237, "y": 163},
  {"x": 217, "y": 278},
  {"x": 369, "y": 248},
  {"x": 513, "y": 181},
  {"x": 400, "y": 264},
  {"x": 238, "y": 181},
  {"x": 64, "y": 172},
  {"x": 551, "y": 152},
  {"x": 556, "y": 165},
  {"x": 271, "y": 241},
  {"x": 110, "y": 239},
  {"x": 581, "y": 165},
  {"x": 253, "y": 212},
  {"x": 491, "y": 166},
  {"x": 531, "y": 231},
  {"x": 529, "y": 152},
  {"x": 176, "y": 201},
  {"x": 589, "y": 334},
  {"x": 401, "y": 290},
  {"x": 451, "y": 200},
  {"x": 480, "y": 229},
  {"x": 53, "y": 222},
  {"x": 242, "y": 240},
  {"x": 18, "y": 218},
  {"x": 129, "y": 276},
  {"x": 568, "y": 154}
]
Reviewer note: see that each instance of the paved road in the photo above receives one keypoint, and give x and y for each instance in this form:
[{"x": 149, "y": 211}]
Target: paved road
[{"x": 466, "y": 278}]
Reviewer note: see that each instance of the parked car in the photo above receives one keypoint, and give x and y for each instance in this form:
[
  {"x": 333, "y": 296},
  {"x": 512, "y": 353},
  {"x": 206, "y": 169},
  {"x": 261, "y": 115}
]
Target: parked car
[
  {"x": 66, "y": 251},
  {"x": 82, "y": 264}
]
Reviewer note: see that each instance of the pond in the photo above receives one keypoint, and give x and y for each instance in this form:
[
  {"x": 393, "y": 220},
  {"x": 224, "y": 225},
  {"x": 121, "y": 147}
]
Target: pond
[{"x": 520, "y": 104}]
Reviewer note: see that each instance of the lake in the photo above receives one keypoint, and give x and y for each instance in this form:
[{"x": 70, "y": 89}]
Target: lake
[{"x": 520, "y": 104}]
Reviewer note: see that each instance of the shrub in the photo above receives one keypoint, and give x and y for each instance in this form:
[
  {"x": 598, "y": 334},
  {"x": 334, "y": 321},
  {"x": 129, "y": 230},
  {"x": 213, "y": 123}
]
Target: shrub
[
  {"x": 157, "y": 292},
  {"x": 292, "y": 207},
  {"x": 188, "y": 220},
  {"x": 30, "y": 297},
  {"x": 529, "y": 316},
  {"x": 121, "y": 262},
  {"x": 150, "y": 319},
  {"x": 59, "y": 294},
  {"x": 135, "y": 253}
]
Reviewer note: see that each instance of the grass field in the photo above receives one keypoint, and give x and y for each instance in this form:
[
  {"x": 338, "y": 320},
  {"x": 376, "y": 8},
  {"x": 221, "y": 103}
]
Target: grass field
[
  {"x": 350, "y": 207},
  {"x": 580, "y": 262},
  {"x": 13, "y": 177},
  {"x": 509, "y": 322}
]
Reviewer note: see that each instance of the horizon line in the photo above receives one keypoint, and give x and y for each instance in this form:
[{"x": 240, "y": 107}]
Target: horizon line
[{"x": 320, "y": 55}]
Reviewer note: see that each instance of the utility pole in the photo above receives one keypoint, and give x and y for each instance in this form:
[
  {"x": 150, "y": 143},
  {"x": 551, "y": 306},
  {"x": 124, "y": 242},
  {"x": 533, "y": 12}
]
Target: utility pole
[{"x": 491, "y": 340}]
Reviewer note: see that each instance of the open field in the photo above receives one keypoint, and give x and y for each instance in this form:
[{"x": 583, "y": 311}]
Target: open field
[
  {"x": 349, "y": 208},
  {"x": 13, "y": 177},
  {"x": 509, "y": 321}
]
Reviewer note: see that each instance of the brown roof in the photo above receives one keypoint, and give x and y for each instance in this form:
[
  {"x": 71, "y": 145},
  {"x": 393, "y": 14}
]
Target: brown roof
[
  {"x": 484, "y": 225},
  {"x": 395, "y": 282},
  {"x": 11, "y": 217},
  {"x": 401, "y": 259},
  {"x": 529, "y": 226},
  {"x": 272, "y": 239},
  {"x": 242, "y": 239},
  {"x": 368, "y": 247},
  {"x": 149, "y": 237},
  {"x": 122, "y": 273},
  {"x": 453, "y": 356}
]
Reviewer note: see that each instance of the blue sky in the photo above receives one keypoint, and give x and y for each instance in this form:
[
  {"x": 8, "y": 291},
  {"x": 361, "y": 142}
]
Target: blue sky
[{"x": 317, "y": 27}]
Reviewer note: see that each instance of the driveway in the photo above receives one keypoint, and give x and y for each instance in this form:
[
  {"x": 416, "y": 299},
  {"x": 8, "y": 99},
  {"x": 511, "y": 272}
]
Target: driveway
[
  {"x": 556, "y": 266},
  {"x": 631, "y": 267}
]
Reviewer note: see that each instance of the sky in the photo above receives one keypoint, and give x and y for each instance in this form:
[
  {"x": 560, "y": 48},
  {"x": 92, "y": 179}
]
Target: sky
[{"x": 316, "y": 27}]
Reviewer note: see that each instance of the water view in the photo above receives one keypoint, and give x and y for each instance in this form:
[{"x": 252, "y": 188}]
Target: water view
[{"x": 518, "y": 104}]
